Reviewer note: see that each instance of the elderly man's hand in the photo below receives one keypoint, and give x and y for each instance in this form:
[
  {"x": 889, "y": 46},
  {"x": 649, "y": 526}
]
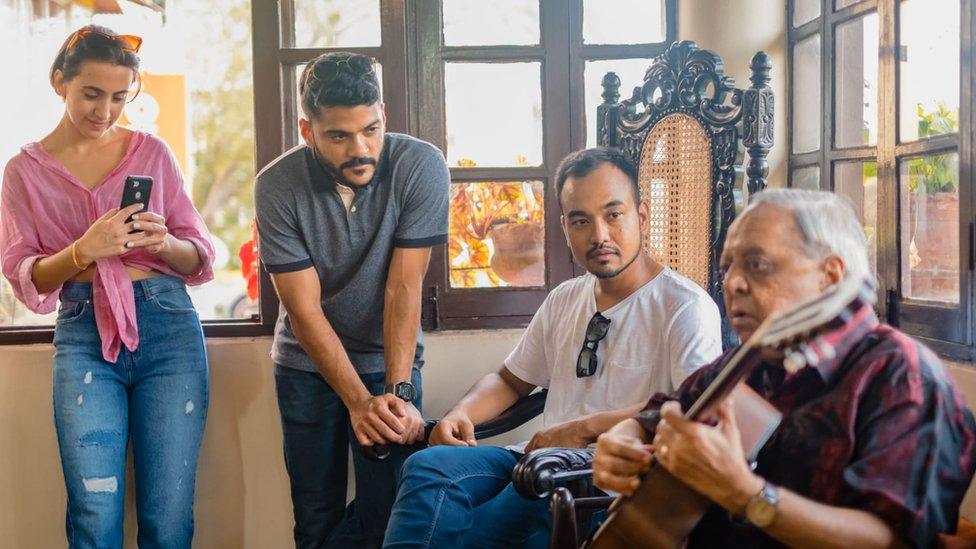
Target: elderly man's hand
[
  {"x": 569, "y": 434},
  {"x": 708, "y": 459},
  {"x": 620, "y": 459}
]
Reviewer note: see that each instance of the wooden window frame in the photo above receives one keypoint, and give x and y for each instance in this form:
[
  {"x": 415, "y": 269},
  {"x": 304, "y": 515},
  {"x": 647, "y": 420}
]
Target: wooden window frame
[{"x": 948, "y": 330}]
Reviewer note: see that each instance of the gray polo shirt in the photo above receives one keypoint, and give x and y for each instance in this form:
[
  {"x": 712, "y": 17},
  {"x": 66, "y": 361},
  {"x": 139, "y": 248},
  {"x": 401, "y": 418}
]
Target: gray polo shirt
[{"x": 303, "y": 223}]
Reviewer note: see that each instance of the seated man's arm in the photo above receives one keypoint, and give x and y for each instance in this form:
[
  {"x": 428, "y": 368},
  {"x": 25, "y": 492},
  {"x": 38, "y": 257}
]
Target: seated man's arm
[
  {"x": 580, "y": 432},
  {"x": 371, "y": 417},
  {"x": 487, "y": 398}
]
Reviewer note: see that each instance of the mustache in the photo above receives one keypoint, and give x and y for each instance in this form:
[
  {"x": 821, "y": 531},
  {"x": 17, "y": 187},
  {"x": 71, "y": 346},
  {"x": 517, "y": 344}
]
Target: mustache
[
  {"x": 358, "y": 161},
  {"x": 600, "y": 248}
]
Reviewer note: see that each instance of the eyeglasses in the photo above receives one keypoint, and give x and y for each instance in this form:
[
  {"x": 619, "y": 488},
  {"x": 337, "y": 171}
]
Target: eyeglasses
[
  {"x": 128, "y": 42},
  {"x": 596, "y": 330}
]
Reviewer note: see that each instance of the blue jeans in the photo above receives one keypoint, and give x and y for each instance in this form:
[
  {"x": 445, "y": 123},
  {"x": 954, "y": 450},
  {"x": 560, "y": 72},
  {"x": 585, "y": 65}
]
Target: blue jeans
[
  {"x": 155, "y": 396},
  {"x": 317, "y": 436},
  {"x": 452, "y": 496}
]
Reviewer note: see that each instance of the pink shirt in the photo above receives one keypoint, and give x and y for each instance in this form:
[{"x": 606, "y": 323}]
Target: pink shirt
[{"x": 44, "y": 208}]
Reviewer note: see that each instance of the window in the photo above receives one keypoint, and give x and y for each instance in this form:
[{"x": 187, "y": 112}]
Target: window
[
  {"x": 896, "y": 139},
  {"x": 196, "y": 95},
  {"x": 226, "y": 74},
  {"x": 523, "y": 62}
]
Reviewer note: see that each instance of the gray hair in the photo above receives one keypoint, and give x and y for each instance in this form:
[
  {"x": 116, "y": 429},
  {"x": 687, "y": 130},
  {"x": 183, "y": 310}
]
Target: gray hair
[{"x": 826, "y": 223}]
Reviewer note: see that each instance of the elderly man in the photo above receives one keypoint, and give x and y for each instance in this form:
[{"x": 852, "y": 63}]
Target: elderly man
[
  {"x": 602, "y": 343},
  {"x": 876, "y": 447}
]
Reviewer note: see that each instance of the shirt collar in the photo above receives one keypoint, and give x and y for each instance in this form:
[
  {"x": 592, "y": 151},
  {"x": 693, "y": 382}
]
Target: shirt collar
[
  {"x": 843, "y": 340},
  {"x": 323, "y": 181}
]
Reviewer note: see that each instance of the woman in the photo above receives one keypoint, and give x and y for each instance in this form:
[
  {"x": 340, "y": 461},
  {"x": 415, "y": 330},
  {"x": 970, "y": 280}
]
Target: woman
[{"x": 129, "y": 361}]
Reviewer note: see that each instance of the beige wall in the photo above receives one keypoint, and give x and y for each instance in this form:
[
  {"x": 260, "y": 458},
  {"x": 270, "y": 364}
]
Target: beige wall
[
  {"x": 736, "y": 30},
  {"x": 242, "y": 489}
]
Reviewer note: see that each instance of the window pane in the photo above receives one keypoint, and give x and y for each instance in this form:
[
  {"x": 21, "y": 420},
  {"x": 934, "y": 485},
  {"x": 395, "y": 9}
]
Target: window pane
[
  {"x": 337, "y": 23},
  {"x": 497, "y": 234},
  {"x": 858, "y": 181},
  {"x": 856, "y": 84},
  {"x": 928, "y": 69},
  {"x": 806, "y": 95},
  {"x": 930, "y": 227},
  {"x": 806, "y": 178},
  {"x": 623, "y": 21},
  {"x": 478, "y": 97},
  {"x": 841, "y": 4},
  {"x": 508, "y": 22},
  {"x": 197, "y": 96},
  {"x": 805, "y": 11},
  {"x": 631, "y": 73}
]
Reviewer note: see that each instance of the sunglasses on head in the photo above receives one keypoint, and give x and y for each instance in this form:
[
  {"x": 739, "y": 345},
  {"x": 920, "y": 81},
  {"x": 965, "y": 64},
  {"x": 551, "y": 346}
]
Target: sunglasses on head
[
  {"x": 596, "y": 330},
  {"x": 128, "y": 42}
]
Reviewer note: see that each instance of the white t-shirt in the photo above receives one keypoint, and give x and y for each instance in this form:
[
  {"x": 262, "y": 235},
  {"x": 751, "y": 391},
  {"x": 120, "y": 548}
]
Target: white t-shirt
[{"x": 658, "y": 336}]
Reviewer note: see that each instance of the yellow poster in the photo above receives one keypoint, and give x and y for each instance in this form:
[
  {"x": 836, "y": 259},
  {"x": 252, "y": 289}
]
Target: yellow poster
[{"x": 160, "y": 109}]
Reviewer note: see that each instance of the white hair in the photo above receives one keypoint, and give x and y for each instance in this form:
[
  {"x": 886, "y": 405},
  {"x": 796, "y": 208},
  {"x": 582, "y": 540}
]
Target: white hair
[{"x": 826, "y": 223}]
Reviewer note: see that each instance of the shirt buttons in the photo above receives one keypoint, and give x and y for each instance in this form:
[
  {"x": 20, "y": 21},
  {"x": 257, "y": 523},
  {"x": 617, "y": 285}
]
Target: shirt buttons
[{"x": 353, "y": 209}]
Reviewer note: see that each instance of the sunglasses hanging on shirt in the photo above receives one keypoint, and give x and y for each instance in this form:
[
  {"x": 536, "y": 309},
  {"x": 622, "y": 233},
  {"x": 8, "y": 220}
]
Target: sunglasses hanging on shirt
[{"x": 596, "y": 330}]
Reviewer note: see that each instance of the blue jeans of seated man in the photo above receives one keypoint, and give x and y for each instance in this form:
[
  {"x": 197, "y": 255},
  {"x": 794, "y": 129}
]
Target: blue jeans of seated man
[
  {"x": 317, "y": 437},
  {"x": 155, "y": 397},
  {"x": 453, "y": 496}
]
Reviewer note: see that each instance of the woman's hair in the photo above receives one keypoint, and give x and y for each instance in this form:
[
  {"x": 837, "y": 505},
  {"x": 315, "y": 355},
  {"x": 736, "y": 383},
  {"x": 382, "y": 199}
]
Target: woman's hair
[{"x": 93, "y": 43}]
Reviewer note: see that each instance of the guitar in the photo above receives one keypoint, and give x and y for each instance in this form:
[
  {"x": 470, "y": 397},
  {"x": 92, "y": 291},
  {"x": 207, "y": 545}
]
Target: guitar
[{"x": 662, "y": 512}]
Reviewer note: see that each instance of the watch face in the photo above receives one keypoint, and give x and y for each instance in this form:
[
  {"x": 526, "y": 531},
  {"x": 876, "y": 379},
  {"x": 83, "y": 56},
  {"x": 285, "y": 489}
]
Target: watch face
[
  {"x": 761, "y": 512},
  {"x": 405, "y": 391}
]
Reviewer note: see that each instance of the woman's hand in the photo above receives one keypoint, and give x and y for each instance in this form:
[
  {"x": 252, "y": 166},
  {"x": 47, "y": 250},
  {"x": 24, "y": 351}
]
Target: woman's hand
[
  {"x": 155, "y": 236},
  {"x": 108, "y": 236}
]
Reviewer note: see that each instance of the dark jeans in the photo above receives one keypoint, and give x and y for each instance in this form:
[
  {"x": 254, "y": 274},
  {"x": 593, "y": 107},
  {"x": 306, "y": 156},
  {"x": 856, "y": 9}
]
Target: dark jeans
[{"x": 317, "y": 435}]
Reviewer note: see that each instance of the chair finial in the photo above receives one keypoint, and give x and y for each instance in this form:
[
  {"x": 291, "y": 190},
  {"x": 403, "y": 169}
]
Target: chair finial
[{"x": 611, "y": 88}]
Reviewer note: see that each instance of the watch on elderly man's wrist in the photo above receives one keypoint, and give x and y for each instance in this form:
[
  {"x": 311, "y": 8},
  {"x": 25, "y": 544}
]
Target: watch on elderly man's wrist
[{"x": 762, "y": 507}]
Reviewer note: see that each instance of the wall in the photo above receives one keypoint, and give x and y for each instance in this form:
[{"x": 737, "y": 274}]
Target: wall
[
  {"x": 736, "y": 30},
  {"x": 242, "y": 488}
]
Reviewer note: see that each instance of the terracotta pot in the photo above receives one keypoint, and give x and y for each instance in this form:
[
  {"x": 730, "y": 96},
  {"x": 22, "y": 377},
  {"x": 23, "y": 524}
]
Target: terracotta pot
[
  {"x": 520, "y": 255},
  {"x": 937, "y": 240}
]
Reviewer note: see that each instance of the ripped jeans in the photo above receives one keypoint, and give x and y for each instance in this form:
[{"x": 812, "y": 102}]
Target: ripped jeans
[{"x": 155, "y": 396}]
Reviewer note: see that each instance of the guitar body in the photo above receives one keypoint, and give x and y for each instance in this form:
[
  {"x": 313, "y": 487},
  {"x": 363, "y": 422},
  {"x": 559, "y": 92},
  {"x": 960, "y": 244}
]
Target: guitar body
[{"x": 663, "y": 511}]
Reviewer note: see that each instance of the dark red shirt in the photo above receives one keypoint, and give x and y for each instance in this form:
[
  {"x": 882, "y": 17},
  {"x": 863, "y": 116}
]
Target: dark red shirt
[{"x": 881, "y": 428}]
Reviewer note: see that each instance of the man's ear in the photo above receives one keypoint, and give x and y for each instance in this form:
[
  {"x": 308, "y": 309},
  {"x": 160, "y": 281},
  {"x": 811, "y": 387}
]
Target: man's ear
[
  {"x": 833, "y": 272},
  {"x": 644, "y": 217},
  {"x": 305, "y": 130}
]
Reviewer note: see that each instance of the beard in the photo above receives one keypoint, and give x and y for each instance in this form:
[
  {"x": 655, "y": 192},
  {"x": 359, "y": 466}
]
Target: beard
[{"x": 604, "y": 275}]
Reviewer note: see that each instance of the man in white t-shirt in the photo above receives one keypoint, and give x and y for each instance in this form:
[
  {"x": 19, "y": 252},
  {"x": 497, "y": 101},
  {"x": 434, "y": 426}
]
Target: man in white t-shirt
[{"x": 602, "y": 343}]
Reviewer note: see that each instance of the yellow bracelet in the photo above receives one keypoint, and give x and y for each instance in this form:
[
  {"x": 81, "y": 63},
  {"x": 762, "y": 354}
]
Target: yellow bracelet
[{"x": 74, "y": 258}]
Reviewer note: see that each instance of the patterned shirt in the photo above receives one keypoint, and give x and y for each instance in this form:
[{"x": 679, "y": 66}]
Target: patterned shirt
[{"x": 881, "y": 428}]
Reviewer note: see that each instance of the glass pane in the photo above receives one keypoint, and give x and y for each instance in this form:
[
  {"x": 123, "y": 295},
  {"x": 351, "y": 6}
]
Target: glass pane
[
  {"x": 497, "y": 234},
  {"x": 841, "y": 4},
  {"x": 337, "y": 23},
  {"x": 197, "y": 90},
  {"x": 805, "y": 11},
  {"x": 623, "y": 21},
  {"x": 478, "y": 97},
  {"x": 631, "y": 73},
  {"x": 929, "y": 221},
  {"x": 806, "y": 178},
  {"x": 806, "y": 95},
  {"x": 928, "y": 68},
  {"x": 501, "y": 22},
  {"x": 858, "y": 181},
  {"x": 856, "y": 82}
]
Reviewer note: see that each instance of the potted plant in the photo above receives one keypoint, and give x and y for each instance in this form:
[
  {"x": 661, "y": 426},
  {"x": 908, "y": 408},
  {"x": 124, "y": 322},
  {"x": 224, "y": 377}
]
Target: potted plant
[
  {"x": 933, "y": 185},
  {"x": 497, "y": 237}
]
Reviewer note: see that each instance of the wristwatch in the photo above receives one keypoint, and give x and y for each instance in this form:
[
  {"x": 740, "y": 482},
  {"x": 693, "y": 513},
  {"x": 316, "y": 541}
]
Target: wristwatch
[
  {"x": 404, "y": 390},
  {"x": 762, "y": 507}
]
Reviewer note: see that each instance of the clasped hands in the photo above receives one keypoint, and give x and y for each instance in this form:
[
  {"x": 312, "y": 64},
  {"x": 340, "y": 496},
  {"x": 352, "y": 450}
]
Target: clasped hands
[{"x": 386, "y": 419}]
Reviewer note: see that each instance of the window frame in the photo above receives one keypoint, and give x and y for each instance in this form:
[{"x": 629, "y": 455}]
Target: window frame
[
  {"x": 948, "y": 330},
  {"x": 562, "y": 55},
  {"x": 412, "y": 56}
]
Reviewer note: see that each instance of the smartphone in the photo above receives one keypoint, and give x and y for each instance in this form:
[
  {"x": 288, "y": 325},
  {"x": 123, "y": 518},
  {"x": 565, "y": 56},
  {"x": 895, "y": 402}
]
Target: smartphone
[{"x": 137, "y": 190}]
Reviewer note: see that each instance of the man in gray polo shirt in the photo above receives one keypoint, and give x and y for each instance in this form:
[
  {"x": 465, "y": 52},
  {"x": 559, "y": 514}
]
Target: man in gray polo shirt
[{"x": 346, "y": 223}]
